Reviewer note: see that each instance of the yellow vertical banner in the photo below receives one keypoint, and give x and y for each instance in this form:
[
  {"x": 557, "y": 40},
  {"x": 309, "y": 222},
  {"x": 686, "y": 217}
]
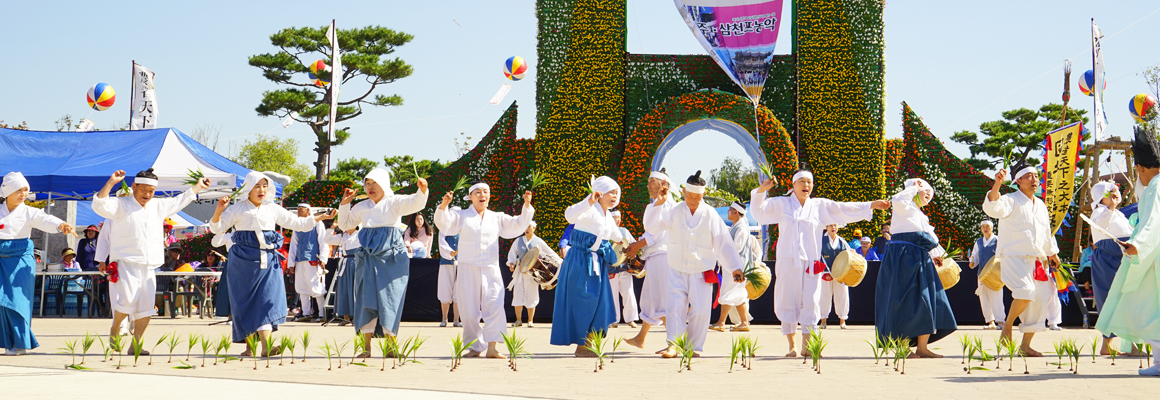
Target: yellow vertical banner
[{"x": 1060, "y": 165}]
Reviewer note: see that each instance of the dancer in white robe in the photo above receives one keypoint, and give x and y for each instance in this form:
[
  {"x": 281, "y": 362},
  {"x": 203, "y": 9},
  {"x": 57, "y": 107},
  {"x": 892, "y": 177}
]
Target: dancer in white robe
[
  {"x": 479, "y": 286},
  {"x": 798, "y": 269},
  {"x": 654, "y": 251},
  {"x": 525, "y": 290},
  {"x": 698, "y": 241},
  {"x": 307, "y": 261},
  {"x": 1027, "y": 247},
  {"x": 991, "y": 301},
  {"x": 623, "y": 291},
  {"x": 136, "y": 244},
  {"x": 734, "y": 297}
]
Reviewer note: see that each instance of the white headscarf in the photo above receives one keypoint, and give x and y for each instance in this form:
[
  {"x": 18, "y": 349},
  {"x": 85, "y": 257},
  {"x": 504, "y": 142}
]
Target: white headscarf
[
  {"x": 922, "y": 186},
  {"x": 481, "y": 185},
  {"x": 1100, "y": 190},
  {"x": 252, "y": 180},
  {"x": 802, "y": 174},
  {"x": 604, "y": 185},
  {"x": 13, "y": 181},
  {"x": 381, "y": 177}
]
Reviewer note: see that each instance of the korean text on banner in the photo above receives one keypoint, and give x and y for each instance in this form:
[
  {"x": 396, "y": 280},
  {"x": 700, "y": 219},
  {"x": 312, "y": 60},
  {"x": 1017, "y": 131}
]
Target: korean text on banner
[{"x": 739, "y": 34}]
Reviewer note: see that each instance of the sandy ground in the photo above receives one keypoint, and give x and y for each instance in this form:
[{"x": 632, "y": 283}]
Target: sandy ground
[{"x": 848, "y": 369}]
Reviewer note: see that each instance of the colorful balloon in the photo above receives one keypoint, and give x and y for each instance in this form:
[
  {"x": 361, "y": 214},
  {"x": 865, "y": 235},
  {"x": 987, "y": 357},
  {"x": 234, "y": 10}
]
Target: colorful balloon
[
  {"x": 515, "y": 68},
  {"x": 101, "y": 96},
  {"x": 1089, "y": 80},
  {"x": 1142, "y": 107},
  {"x": 319, "y": 65},
  {"x": 317, "y": 81}
]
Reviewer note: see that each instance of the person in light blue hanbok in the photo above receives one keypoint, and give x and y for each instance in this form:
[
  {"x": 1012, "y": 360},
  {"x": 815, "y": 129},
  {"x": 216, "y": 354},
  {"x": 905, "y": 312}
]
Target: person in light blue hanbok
[
  {"x": 256, "y": 285},
  {"x": 381, "y": 267},
  {"x": 1107, "y": 254},
  {"x": 583, "y": 295},
  {"x": 17, "y": 263},
  {"x": 909, "y": 300}
]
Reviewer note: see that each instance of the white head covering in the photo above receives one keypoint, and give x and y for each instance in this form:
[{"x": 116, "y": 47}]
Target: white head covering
[
  {"x": 660, "y": 175},
  {"x": 1100, "y": 190},
  {"x": 533, "y": 223},
  {"x": 1025, "y": 171},
  {"x": 252, "y": 180},
  {"x": 802, "y": 174},
  {"x": 922, "y": 185},
  {"x": 605, "y": 184},
  {"x": 303, "y": 205},
  {"x": 986, "y": 222},
  {"x": 13, "y": 181},
  {"x": 140, "y": 180},
  {"x": 738, "y": 207},
  {"x": 381, "y": 177},
  {"x": 481, "y": 185}
]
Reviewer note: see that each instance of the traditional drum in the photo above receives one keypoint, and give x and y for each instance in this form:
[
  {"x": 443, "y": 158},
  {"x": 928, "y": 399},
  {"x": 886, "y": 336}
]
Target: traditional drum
[
  {"x": 762, "y": 277},
  {"x": 634, "y": 266},
  {"x": 544, "y": 272},
  {"x": 529, "y": 258},
  {"x": 990, "y": 275},
  {"x": 619, "y": 249},
  {"x": 948, "y": 273},
  {"x": 849, "y": 268}
]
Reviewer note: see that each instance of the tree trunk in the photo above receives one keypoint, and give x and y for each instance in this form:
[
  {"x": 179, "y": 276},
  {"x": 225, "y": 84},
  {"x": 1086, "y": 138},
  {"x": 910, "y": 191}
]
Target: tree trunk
[{"x": 319, "y": 147}]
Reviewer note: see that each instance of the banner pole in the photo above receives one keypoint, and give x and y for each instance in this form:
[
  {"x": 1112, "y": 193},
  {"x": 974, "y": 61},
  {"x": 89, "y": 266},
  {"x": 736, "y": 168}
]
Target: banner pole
[{"x": 133, "y": 89}]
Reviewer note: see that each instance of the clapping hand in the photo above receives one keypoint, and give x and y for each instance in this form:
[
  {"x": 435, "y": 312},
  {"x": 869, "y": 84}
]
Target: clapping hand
[{"x": 348, "y": 195}]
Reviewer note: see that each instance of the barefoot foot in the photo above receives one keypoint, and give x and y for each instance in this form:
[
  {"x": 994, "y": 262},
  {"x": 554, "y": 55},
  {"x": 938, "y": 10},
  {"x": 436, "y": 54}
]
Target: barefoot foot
[
  {"x": 635, "y": 341},
  {"x": 495, "y": 354}
]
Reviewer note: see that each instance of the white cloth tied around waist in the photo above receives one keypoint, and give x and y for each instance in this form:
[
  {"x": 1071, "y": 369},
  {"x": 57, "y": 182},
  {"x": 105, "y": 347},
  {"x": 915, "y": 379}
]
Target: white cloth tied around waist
[{"x": 261, "y": 235}]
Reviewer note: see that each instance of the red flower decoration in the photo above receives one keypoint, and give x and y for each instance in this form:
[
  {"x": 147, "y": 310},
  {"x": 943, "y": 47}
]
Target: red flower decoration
[
  {"x": 1, "y": 226},
  {"x": 827, "y": 277}
]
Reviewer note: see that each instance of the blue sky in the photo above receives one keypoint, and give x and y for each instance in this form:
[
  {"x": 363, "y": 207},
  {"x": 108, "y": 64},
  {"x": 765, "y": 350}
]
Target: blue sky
[{"x": 957, "y": 63}]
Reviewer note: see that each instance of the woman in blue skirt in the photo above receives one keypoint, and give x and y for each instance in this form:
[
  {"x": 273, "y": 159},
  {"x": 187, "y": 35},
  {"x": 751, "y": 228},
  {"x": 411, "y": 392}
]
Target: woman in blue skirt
[
  {"x": 583, "y": 295},
  {"x": 910, "y": 301},
  {"x": 1108, "y": 254}
]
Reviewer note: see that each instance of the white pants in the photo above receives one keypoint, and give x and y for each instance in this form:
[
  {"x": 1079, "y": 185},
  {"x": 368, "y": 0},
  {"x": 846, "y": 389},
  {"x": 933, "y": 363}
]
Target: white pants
[
  {"x": 796, "y": 295},
  {"x": 308, "y": 309},
  {"x": 838, "y": 295},
  {"x": 135, "y": 291},
  {"x": 525, "y": 291},
  {"x": 309, "y": 279},
  {"x": 654, "y": 294},
  {"x": 1054, "y": 307},
  {"x": 479, "y": 292},
  {"x": 689, "y": 307},
  {"x": 622, "y": 287},
  {"x": 991, "y": 301},
  {"x": 1018, "y": 275},
  {"x": 446, "y": 293}
]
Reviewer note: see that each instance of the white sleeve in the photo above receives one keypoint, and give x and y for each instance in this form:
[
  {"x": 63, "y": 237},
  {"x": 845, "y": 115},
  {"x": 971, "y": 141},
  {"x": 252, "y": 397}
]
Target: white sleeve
[
  {"x": 103, "y": 242},
  {"x": 333, "y": 239},
  {"x": 346, "y": 220},
  {"x": 444, "y": 248},
  {"x": 574, "y": 212},
  {"x": 833, "y": 212},
  {"x": 724, "y": 249},
  {"x": 1000, "y": 208},
  {"x": 229, "y": 217},
  {"x": 656, "y": 218},
  {"x": 323, "y": 252},
  {"x": 512, "y": 227},
  {"x": 511, "y": 258},
  {"x": 171, "y": 206},
  {"x": 448, "y": 221},
  {"x": 292, "y": 221},
  {"x": 764, "y": 210},
  {"x": 406, "y": 204},
  {"x": 291, "y": 260},
  {"x": 45, "y": 221},
  {"x": 108, "y": 207},
  {"x": 975, "y": 254}
]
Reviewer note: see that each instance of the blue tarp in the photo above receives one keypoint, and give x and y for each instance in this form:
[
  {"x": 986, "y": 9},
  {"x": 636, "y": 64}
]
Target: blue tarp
[{"x": 77, "y": 164}]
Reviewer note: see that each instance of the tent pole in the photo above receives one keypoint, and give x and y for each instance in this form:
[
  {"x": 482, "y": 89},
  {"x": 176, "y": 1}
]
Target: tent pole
[{"x": 44, "y": 251}]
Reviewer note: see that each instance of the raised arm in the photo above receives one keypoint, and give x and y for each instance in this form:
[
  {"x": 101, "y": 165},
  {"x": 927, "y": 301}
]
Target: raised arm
[
  {"x": 449, "y": 222},
  {"x": 292, "y": 221},
  {"x": 511, "y": 227},
  {"x": 224, "y": 217},
  {"x": 657, "y": 217},
  {"x": 834, "y": 212},
  {"x": 764, "y": 210}
]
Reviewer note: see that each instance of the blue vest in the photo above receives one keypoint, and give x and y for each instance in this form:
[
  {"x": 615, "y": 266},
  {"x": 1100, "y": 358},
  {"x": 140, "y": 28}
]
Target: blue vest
[
  {"x": 828, "y": 254},
  {"x": 985, "y": 252},
  {"x": 307, "y": 242},
  {"x": 453, "y": 242}
]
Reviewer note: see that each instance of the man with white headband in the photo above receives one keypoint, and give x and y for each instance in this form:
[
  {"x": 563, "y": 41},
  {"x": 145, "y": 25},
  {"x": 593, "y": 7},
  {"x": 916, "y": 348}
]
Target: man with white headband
[
  {"x": 734, "y": 297},
  {"x": 799, "y": 267},
  {"x": 698, "y": 241},
  {"x": 654, "y": 251},
  {"x": 17, "y": 262},
  {"x": 136, "y": 244},
  {"x": 623, "y": 292},
  {"x": 1027, "y": 252},
  {"x": 307, "y": 261},
  {"x": 479, "y": 289},
  {"x": 991, "y": 301}
]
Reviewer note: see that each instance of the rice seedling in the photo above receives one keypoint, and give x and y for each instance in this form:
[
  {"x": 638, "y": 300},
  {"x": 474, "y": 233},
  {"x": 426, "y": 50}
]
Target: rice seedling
[
  {"x": 252, "y": 344},
  {"x": 205, "y": 346},
  {"x": 338, "y": 349},
  {"x": 192, "y": 177},
  {"x": 615, "y": 347},
  {"x": 359, "y": 343},
  {"x": 407, "y": 349},
  {"x": 515, "y": 348},
  {"x": 903, "y": 352},
  {"x": 537, "y": 179},
  {"x": 416, "y": 343},
  {"x": 387, "y": 348},
  {"x": 965, "y": 342},
  {"x": 328, "y": 352},
  {"x": 190, "y": 344},
  {"x": 876, "y": 350},
  {"x": 1094, "y": 346},
  {"x": 684, "y": 348},
  {"x": 172, "y": 343},
  {"x": 154, "y": 350},
  {"x": 459, "y": 184},
  {"x": 137, "y": 347},
  {"x": 87, "y": 343},
  {"x": 595, "y": 344},
  {"x": 124, "y": 190},
  {"x": 1058, "y": 353},
  {"x": 106, "y": 350},
  {"x": 291, "y": 343},
  {"x": 457, "y": 349},
  {"x": 1075, "y": 351},
  {"x": 1148, "y": 353},
  {"x": 896, "y": 345},
  {"x": 1012, "y": 349},
  {"x": 117, "y": 344},
  {"x": 223, "y": 345},
  {"x": 971, "y": 351},
  {"x": 816, "y": 344},
  {"x": 183, "y": 365},
  {"x": 286, "y": 343},
  {"x": 1113, "y": 353},
  {"x": 71, "y": 347},
  {"x": 305, "y": 343},
  {"x": 270, "y": 346},
  {"x": 1024, "y": 357},
  {"x": 767, "y": 170},
  {"x": 751, "y": 349},
  {"x": 998, "y": 353},
  {"x": 415, "y": 171},
  {"x": 735, "y": 352}
]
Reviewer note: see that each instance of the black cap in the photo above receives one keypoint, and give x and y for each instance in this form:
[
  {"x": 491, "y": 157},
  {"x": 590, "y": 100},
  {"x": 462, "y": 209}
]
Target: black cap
[
  {"x": 696, "y": 179},
  {"x": 147, "y": 174},
  {"x": 1144, "y": 148}
]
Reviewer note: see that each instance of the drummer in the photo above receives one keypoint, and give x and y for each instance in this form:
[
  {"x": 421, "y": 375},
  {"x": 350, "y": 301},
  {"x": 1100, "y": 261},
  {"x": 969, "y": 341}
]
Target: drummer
[
  {"x": 833, "y": 292},
  {"x": 623, "y": 292},
  {"x": 525, "y": 290},
  {"x": 799, "y": 266},
  {"x": 991, "y": 301},
  {"x": 910, "y": 301}
]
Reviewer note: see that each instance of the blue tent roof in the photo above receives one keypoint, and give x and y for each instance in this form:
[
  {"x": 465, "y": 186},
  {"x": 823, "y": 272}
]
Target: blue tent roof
[
  {"x": 77, "y": 164},
  {"x": 724, "y": 213}
]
